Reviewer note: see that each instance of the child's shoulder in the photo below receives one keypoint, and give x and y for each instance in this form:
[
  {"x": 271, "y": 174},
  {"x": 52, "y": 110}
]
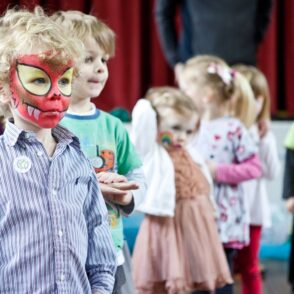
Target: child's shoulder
[
  {"x": 110, "y": 121},
  {"x": 75, "y": 143},
  {"x": 228, "y": 123},
  {"x": 108, "y": 116}
]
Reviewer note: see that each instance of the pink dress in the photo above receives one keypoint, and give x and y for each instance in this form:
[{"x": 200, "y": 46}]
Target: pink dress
[{"x": 183, "y": 253}]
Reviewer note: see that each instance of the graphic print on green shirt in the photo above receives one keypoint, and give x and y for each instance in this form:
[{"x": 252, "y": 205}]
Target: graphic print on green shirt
[{"x": 106, "y": 143}]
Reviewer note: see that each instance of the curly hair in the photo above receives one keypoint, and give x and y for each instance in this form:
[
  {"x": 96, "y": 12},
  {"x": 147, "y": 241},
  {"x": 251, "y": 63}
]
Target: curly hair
[
  {"x": 82, "y": 26},
  {"x": 24, "y": 32},
  {"x": 170, "y": 97}
]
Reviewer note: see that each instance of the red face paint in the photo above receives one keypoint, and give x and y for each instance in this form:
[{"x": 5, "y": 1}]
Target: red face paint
[{"x": 41, "y": 89}]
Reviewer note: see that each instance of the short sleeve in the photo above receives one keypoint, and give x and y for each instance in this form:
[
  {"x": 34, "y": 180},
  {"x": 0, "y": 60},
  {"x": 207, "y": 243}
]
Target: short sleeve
[{"x": 127, "y": 157}]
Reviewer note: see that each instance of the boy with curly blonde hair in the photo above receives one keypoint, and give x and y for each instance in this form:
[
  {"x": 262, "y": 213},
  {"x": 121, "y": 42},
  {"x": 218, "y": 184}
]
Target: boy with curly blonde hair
[{"x": 53, "y": 220}]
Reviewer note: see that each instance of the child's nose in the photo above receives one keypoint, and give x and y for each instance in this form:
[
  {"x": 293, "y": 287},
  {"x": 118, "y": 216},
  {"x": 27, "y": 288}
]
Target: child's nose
[
  {"x": 183, "y": 136},
  {"x": 99, "y": 67},
  {"x": 99, "y": 70}
]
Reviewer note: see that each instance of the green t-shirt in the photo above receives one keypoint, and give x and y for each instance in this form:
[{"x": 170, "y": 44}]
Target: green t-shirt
[
  {"x": 289, "y": 142},
  {"x": 106, "y": 143}
]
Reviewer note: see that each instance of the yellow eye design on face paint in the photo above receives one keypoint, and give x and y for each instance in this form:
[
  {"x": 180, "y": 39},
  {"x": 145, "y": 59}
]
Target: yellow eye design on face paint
[
  {"x": 33, "y": 79},
  {"x": 65, "y": 82}
]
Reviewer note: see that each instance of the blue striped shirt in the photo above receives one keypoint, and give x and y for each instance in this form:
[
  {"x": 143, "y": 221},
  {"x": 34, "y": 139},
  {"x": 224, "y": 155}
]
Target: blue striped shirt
[{"x": 54, "y": 233}]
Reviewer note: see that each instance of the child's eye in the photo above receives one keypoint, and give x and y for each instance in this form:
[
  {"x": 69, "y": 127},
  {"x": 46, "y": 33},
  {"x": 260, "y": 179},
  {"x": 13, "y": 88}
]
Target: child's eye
[
  {"x": 176, "y": 128},
  {"x": 64, "y": 82},
  {"x": 39, "y": 81},
  {"x": 89, "y": 59},
  {"x": 189, "y": 132}
]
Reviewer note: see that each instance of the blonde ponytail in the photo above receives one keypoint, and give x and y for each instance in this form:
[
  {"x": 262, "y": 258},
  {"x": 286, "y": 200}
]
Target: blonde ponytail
[{"x": 243, "y": 104}]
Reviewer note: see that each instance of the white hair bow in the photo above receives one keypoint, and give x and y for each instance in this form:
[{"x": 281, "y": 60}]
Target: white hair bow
[{"x": 226, "y": 74}]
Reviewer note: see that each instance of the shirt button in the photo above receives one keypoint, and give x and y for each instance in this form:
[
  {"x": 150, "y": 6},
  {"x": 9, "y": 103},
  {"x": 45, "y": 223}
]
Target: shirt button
[
  {"x": 62, "y": 277},
  {"x": 60, "y": 233},
  {"x": 39, "y": 153},
  {"x": 54, "y": 193}
]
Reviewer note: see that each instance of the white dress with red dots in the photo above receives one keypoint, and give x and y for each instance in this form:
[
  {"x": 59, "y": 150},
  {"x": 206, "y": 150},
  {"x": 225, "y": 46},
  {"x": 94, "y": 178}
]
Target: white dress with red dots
[{"x": 226, "y": 140}]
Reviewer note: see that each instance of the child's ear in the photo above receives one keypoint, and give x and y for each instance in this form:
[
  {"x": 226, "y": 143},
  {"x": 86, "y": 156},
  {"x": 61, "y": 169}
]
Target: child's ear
[
  {"x": 259, "y": 104},
  {"x": 260, "y": 98},
  {"x": 208, "y": 96}
]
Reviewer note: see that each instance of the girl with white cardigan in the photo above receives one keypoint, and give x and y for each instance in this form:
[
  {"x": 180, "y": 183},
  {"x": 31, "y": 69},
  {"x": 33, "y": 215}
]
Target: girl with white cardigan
[{"x": 178, "y": 248}]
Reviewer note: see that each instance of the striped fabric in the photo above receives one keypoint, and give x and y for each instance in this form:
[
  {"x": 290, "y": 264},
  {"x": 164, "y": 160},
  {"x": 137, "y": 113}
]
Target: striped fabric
[{"x": 54, "y": 234}]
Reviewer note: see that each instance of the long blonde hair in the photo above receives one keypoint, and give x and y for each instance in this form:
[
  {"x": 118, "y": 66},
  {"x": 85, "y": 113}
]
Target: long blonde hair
[
  {"x": 243, "y": 104},
  {"x": 259, "y": 85},
  {"x": 226, "y": 83}
]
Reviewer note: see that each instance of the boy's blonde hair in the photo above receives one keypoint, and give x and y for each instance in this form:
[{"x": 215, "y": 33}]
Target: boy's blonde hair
[
  {"x": 23, "y": 32},
  {"x": 259, "y": 85},
  {"x": 226, "y": 83},
  {"x": 170, "y": 97},
  {"x": 82, "y": 26}
]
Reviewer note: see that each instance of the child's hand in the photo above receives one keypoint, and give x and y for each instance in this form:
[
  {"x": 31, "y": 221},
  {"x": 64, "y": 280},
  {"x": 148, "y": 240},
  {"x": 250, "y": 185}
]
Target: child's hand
[
  {"x": 290, "y": 204},
  {"x": 212, "y": 168},
  {"x": 116, "y": 188},
  {"x": 118, "y": 193},
  {"x": 109, "y": 177},
  {"x": 263, "y": 127}
]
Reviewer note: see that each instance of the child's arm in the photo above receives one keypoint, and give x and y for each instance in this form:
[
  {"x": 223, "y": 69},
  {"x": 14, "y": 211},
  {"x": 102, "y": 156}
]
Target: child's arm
[
  {"x": 144, "y": 127},
  {"x": 247, "y": 166},
  {"x": 138, "y": 195},
  {"x": 236, "y": 173},
  {"x": 269, "y": 157},
  {"x": 290, "y": 204},
  {"x": 101, "y": 258}
]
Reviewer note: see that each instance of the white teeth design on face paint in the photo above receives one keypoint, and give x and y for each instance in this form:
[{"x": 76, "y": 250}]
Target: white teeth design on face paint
[
  {"x": 30, "y": 110},
  {"x": 36, "y": 113}
]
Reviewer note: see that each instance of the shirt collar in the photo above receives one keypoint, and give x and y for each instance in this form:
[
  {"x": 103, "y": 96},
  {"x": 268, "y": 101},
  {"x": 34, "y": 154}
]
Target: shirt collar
[{"x": 13, "y": 134}]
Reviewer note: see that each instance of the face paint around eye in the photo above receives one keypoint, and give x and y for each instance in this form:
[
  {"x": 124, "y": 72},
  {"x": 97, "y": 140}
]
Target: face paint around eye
[
  {"x": 41, "y": 89},
  {"x": 65, "y": 82},
  {"x": 33, "y": 79}
]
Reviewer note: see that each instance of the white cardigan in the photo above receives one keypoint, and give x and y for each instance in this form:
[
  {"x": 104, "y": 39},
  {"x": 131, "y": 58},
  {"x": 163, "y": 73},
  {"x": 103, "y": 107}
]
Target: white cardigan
[
  {"x": 157, "y": 165},
  {"x": 255, "y": 190}
]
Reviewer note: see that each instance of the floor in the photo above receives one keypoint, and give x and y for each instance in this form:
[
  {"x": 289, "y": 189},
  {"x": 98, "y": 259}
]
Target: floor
[{"x": 275, "y": 281}]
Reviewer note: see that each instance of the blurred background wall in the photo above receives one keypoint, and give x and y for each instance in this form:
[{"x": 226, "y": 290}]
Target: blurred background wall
[{"x": 139, "y": 62}]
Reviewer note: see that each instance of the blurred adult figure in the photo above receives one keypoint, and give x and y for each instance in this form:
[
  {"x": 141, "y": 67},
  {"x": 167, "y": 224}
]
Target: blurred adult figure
[{"x": 230, "y": 29}]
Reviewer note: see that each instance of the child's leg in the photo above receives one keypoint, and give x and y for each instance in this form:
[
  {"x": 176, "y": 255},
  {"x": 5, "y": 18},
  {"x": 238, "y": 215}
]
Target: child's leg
[
  {"x": 120, "y": 279},
  {"x": 228, "y": 289},
  {"x": 248, "y": 263},
  {"x": 128, "y": 286}
]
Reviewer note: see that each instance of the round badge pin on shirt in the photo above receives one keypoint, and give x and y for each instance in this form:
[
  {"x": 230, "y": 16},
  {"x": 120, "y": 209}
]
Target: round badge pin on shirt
[{"x": 22, "y": 164}]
